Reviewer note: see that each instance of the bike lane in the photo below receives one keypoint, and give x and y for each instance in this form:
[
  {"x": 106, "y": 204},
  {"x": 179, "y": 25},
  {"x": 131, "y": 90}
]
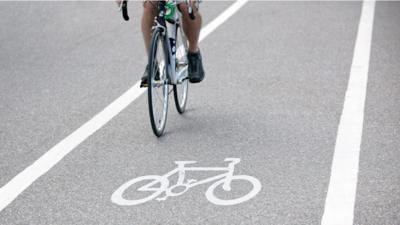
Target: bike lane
[
  {"x": 61, "y": 65},
  {"x": 272, "y": 97}
]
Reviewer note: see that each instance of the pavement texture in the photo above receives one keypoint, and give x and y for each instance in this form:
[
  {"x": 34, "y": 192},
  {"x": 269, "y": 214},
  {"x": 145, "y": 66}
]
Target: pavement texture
[
  {"x": 378, "y": 196},
  {"x": 276, "y": 76}
]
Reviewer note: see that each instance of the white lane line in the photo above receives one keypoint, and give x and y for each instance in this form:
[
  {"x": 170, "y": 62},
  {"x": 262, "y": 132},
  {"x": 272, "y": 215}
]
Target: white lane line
[
  {"x": 24, "y": 179},
  {"x": 339, "y": 204},
  {"x": 221, "y": 18}
]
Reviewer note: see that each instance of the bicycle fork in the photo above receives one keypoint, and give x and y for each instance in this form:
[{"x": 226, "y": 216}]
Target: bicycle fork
[{"x": 231, "y": 167}]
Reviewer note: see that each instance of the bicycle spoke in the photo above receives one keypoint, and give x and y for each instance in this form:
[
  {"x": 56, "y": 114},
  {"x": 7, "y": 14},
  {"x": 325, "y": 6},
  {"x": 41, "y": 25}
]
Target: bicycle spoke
[{"x": 158, "y": 91}]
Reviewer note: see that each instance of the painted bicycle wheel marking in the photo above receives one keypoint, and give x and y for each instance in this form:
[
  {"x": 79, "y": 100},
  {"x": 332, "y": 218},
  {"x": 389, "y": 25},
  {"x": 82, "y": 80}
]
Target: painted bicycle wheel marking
[{"x": 159, "y": 187}]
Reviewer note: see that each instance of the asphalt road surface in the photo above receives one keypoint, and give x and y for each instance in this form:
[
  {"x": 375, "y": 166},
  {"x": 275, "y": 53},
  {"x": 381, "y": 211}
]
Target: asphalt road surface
[{"x": 274, "y": 95}]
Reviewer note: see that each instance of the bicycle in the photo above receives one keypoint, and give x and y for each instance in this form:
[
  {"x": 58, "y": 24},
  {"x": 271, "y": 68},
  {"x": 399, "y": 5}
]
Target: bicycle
[
  {"x": 160, "y": 184},
  {"x": 168, "y": 64}
]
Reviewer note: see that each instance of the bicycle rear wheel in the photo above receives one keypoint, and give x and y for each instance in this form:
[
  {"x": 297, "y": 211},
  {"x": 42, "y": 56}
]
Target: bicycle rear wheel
[
  {"x": 158, "y": 88},
  {"x": 181, "y": 89}
]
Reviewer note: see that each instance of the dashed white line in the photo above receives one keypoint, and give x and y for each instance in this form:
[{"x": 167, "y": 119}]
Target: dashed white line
[
  {"x": 24, "y": 179},
  {"x": 339, "y": 204}
]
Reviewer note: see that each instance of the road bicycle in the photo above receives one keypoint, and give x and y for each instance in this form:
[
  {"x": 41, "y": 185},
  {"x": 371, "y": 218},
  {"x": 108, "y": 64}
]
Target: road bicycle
[
  {"x": 160, "y": 184},
  {"x": 168, "y": 64}
]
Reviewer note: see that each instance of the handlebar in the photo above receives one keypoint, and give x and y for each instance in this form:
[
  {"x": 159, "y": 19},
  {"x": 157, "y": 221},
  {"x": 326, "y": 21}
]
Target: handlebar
[{"x": 124, "y": 9}]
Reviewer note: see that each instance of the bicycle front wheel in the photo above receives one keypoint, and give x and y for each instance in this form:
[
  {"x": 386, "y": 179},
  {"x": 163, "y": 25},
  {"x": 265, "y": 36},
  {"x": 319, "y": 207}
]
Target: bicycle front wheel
[
  {"x": 158, "y": 88},
  {"x": 181, "y": 89}
]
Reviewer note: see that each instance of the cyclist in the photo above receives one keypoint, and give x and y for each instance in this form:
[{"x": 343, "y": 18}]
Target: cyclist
[{"x": 191, "y": 29}]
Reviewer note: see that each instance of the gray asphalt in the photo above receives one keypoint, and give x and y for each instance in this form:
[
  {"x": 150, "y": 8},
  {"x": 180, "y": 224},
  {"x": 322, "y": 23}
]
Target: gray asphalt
[
  {"x": 276, "y": 76},
  {"x": 378, "y": 196}
]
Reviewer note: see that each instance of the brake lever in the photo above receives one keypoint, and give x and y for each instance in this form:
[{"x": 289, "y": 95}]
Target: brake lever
[{"x": 124, "y": 9}]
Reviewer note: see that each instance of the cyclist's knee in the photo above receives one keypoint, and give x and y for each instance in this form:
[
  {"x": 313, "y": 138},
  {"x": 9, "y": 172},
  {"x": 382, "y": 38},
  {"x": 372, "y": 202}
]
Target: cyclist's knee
[
  {"x": 150, "y": 6},
  {"x": 184, "y": 9}
]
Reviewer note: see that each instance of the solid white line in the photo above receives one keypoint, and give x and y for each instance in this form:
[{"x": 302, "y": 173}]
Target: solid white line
[
  {"x": 339, "y": 204},
  {"x": 221, "y": 18},
  {"x": 24, "y": 179}
]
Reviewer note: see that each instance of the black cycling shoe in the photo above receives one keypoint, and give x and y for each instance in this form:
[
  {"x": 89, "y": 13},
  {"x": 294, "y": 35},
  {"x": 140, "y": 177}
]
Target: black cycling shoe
[
  {"x": 145, "y": 82},
  {"x": 196, "y": 71}
]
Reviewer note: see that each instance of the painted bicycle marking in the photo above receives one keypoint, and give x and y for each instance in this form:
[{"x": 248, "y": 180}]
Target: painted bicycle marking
[{"x": 160, "y": 185}]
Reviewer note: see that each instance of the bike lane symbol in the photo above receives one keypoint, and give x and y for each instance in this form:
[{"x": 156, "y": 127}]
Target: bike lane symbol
[{"x": 159, "y": 185}]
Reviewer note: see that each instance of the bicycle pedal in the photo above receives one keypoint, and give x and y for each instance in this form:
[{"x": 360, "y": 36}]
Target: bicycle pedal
[
  {"x": 191, "y": 181},
  {"x": 162, "y": 198}
]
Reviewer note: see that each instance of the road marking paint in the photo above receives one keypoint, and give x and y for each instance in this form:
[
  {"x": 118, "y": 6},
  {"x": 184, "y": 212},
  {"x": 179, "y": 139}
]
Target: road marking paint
[
  {"x": 221, "y": 18},
  {"x": 24, "y": 179},
  {"x": 339, "y": 204},
  {"x": 223, "y": 181}
]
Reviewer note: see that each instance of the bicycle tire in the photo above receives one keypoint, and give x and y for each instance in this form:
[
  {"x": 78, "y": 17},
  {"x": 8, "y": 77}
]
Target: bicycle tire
[
  {"x": 157, "y": 124},
  {"x": 181, "y": 90}
]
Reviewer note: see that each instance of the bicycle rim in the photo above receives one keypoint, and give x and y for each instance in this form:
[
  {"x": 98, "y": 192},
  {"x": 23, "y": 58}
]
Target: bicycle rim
[
  {"x": 181, "y": 89},
  {"x": 158, "y": 88}
]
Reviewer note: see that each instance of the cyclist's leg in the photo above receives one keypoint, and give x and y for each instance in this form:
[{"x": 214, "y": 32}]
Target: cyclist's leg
[
  {"x": 192, "y": 31},
  {"x": 191, "y": 27},
  {"x": 149, "y": 12}
]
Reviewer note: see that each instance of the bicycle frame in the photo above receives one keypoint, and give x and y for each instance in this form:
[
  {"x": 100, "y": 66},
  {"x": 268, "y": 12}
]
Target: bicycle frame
[
  {"x": 169, "y": 33},
  {"x": 160, "y": 185},
  {"x": 181, "y": 169},
  {"x": 170, "y": 36}
]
